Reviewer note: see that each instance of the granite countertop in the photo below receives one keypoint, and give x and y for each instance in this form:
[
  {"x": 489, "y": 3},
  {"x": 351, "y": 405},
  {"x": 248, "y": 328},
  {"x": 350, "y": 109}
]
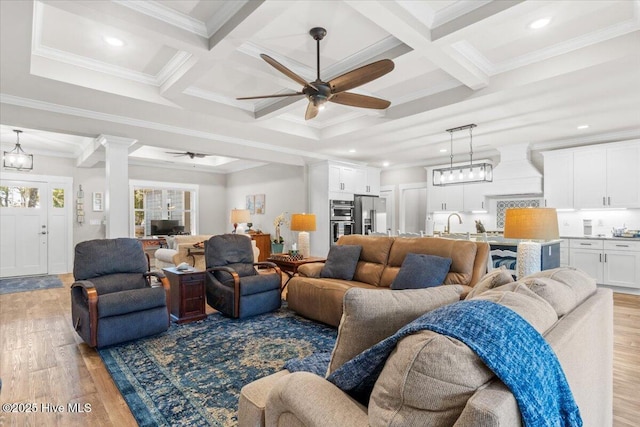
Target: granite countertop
[{"x": 605, "y": 237}]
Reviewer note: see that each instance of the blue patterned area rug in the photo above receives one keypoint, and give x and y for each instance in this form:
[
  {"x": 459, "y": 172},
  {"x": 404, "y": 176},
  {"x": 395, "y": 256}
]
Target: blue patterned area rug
[
  {"x": 192, "y": 374},
  {"x": 28, "y": 283}
]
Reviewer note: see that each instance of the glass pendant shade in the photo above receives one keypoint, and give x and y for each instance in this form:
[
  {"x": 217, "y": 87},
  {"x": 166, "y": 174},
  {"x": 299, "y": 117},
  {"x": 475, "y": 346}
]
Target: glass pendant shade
[
  {"x": 17, "y": 158},
  {"x": 473, "y": 173}
]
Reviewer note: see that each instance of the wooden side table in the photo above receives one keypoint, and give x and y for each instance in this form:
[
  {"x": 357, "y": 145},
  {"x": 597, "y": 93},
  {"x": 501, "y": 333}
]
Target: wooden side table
[
  {"x": 187, "y": 294},
  {"x": 290, "y": 267},
  {"x": 263, "y": 242}
]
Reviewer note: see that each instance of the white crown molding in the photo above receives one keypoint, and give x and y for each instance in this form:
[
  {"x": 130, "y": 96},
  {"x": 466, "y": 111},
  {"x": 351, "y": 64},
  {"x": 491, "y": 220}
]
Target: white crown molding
[
  {"x": 587, "y": 139},
  {"x": 145, "y": 124},
  {"x": 456, "y": 10},
  {"x": 166, "y": 14},
  {"x": 215, "y": 97},
  {"x": 177, "y": 61},
  {"x": 94, "y": 65},
  {"x": 468, "y": 51},
  {"x": 226, "y": 12}
]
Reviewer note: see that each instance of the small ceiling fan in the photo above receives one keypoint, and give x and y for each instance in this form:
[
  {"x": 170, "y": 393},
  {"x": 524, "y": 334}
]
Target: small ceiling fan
[
  {"x": 188, "y": 153},
  {"x": 335, "y": 90}
]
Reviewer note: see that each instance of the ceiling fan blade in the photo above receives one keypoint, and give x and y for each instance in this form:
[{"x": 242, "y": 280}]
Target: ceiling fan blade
[
  {"x": 312, "y": 111},
  {"x": 284, "y": 70},
  {"x": 357, "y": 100},
  {"x": 281, "y": 95},
  {"x": 200, "y": 155},
  {"x": 360, "y": 76}
]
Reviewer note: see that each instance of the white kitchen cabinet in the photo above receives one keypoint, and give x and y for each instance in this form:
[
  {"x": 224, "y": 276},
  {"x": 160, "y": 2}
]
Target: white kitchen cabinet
[
  {"x": 447, "y": 198},
  {"x": 343, "y": 179},
  {"x": 473, "y": 197},
  {"x": 558, "y": 179},
  {"x": 368, "y": 180},
  {"x": 607, "y": 177},
  {"x": 610, "y": 262}
]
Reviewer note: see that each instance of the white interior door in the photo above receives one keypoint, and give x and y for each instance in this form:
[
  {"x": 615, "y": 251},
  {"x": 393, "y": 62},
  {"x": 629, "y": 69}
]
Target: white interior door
[{"x": 23, "y": 227}]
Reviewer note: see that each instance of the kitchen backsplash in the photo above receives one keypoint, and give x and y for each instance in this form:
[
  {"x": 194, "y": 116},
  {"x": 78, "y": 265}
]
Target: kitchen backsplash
[{"x": 569, "y": 223}]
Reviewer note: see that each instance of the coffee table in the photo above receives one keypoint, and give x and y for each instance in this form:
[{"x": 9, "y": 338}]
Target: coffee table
[{"x": 290, "y": 266}]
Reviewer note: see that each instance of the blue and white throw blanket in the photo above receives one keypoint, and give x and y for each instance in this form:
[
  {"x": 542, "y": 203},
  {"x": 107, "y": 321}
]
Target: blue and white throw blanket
[{"x": 505, "y": 342}]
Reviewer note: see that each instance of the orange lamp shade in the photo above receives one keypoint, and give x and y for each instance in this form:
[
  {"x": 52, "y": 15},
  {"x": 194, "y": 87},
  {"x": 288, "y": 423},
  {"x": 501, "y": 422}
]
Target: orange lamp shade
[
  {"x": 531, "y": 223},
  {"x": 303, "y": 222}
]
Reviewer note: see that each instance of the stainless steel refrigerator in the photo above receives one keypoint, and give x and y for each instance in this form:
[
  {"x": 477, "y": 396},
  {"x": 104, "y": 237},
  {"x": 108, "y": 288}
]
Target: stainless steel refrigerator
[{"x": 370, "y": 214}]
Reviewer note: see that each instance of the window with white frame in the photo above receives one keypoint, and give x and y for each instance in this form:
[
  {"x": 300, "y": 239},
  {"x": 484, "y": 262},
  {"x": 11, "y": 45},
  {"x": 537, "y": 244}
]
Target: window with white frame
[{"x": 163, "y": 208}]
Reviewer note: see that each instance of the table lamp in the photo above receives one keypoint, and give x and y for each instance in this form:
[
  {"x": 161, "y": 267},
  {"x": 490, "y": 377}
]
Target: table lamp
[
  {"x": 303, "y": 223},
  {"x": 530, "y": 223},
  {"x": 238, "y": 216}
]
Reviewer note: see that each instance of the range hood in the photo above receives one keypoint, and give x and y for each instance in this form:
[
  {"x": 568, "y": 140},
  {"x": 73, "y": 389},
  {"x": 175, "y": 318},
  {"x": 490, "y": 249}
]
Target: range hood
[{"x": 515, "y": 175}]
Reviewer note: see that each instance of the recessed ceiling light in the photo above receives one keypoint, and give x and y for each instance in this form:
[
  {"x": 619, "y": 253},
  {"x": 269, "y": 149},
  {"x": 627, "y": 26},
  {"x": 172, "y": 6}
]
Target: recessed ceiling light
[
  {"x": 385, "y": 164},
  {"x": 443, "y": 150},
  {"x": 583, "y": 127},
  {"x": 113, "y": 41},
  {"x": 539, "y": 23},
  {"x": 353, "y": 150}
]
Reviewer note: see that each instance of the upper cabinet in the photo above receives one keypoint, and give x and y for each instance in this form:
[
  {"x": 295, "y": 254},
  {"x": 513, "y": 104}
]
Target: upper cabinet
[
  {"x": 607, "y": 176},
  {"x": 342, "y": 178},
  {"x": 368, "y": 181},
  {"x": 596, "y": 177},
  {"x": 558, "y": 179},
  {"x": 456, "y": 198}
]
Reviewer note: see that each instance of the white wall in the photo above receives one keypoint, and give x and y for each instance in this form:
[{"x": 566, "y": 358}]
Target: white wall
[{"x": 284, "y": 188}]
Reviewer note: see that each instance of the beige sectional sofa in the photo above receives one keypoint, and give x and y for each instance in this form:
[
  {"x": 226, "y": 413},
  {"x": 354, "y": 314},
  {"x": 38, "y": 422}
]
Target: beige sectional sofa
[
  {"x": 380, "y": 260},
  {"x": 430, "y": 379}
]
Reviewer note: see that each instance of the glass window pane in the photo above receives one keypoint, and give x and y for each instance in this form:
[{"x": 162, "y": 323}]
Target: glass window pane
[
  {"x": 58, "y": 197},
  {"x": 19, "y": 197}
]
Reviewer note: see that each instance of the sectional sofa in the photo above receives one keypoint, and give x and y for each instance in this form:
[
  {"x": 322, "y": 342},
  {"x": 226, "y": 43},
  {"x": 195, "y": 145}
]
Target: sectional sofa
[{"x": 380, "y": 260}]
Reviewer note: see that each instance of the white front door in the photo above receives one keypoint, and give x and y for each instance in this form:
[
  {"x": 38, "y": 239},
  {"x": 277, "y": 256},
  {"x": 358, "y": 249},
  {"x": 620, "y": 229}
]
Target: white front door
[{"x": 23, "y": 227}]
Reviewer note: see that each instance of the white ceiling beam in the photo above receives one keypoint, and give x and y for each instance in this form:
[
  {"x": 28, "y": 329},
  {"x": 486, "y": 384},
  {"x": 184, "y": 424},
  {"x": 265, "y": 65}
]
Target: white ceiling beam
[{"x": 400, "y": 23}]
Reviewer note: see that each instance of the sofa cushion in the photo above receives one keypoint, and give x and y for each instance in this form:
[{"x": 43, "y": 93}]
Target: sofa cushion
[
  {"x": 461, "y": 252},
  {"x": 564, "y": 288},
  {"x": 421, "y": 271},
  {"x": 429, "y": 377},
  {"x": 373, "y": 258},
  {"x": 369, "y": 316},
  {"x": 498, "y": 277},
  {"x": 341, "y": 262}
]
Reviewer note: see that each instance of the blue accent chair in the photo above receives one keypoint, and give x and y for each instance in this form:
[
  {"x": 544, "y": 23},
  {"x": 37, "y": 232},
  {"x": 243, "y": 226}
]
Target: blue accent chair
[
  {"x": 233, "y": 286},
  {"x": 112, "y": 300}
]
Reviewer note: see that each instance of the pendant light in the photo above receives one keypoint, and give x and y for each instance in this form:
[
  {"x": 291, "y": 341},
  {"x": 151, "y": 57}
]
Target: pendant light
[
  {"x": 464, "y": 174},
  {"x": 17, "y": 158}
]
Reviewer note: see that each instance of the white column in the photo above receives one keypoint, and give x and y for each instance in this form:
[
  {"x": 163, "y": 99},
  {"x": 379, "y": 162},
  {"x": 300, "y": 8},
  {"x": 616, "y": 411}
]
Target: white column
[{"x": 116, "y": 196}]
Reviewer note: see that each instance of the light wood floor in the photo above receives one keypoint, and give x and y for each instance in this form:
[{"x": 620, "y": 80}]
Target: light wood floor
[{"x": 44, "y": 362}]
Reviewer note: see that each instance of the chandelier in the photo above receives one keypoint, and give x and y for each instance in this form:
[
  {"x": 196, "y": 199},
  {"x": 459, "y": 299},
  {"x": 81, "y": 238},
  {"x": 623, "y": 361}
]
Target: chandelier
[
  {"x": 463, "y": 174},
  {"x": 17, "y": 158}
]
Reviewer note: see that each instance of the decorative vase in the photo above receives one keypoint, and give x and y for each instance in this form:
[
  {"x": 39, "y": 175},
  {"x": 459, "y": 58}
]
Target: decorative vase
[{"x": 277, "y": 248}]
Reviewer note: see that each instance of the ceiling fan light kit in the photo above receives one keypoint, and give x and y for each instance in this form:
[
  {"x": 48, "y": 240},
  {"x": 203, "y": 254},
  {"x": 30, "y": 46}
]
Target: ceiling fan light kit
[
  {"x": 463, "y": 174},
  {"x": 319, "y": 92}
]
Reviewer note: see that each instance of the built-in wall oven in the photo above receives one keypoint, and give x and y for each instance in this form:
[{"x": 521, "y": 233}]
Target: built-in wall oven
[{"x": 342, "y": 221}]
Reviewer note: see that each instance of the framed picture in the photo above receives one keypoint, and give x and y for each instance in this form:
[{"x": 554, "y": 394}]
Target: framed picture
[
  {"x": 98, "y": 202},
  {"x": 251, "y": 205},
  {"x": 259, "y": 202}
]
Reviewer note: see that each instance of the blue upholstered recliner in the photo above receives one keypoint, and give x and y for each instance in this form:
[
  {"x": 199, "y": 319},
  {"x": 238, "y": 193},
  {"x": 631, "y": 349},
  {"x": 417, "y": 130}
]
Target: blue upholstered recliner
[
  {"x": 112, "y": 300},
  {"x": 233, "y": 286}
]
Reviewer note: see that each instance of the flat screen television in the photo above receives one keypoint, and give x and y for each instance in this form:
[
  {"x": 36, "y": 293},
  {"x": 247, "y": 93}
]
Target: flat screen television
[{"x": 169, "y": 227}]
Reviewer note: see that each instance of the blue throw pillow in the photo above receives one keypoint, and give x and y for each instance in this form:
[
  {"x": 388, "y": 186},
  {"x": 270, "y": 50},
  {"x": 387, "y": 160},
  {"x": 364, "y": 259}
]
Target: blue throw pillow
[
  {"x": 341, "y": 262},
  {"x": 421, "y": 271}
]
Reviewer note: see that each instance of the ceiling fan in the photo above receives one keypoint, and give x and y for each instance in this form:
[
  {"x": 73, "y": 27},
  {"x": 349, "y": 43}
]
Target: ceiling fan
[
  {"x": 188, "y": 153},
  {"x": 335, "y": 90}
]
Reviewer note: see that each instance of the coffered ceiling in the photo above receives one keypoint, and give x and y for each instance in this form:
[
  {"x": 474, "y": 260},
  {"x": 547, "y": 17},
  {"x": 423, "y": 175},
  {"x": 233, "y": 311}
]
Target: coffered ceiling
[{"x": 173, "y": 84}]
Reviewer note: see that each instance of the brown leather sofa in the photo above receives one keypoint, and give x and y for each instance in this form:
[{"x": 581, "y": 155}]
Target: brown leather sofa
[{"x": 380, "y": 260}]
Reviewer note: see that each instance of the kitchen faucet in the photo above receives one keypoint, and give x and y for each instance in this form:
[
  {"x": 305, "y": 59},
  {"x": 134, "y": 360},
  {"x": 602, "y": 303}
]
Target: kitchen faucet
[{"x": 448, "y": 229}]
